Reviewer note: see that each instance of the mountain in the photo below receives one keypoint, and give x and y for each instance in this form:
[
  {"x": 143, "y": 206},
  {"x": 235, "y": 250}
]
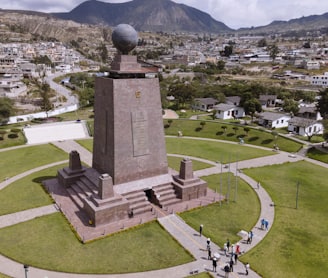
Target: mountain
[
  {"x": 298, "y": 25},
  {"x": 146, "y": 15}
]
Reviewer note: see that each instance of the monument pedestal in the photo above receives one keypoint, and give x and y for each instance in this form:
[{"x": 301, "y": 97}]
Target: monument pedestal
[
  {"x": 186, "y": 186},
  {"x": 106, "y": 211},
  {"x": 69, "y": 175}
]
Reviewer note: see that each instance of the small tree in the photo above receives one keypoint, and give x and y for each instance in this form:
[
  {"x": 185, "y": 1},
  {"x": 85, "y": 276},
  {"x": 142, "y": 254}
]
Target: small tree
[
  {"x": 275, "y": 137},
  {"x": 202, "y": 123},
  {"x": 224, "y": 127},
  {"x": 247, "y": 129},
  {"x": 235, "y": 128}
]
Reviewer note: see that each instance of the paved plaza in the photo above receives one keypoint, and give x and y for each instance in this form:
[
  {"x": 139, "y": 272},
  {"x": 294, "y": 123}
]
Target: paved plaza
[{"x": 44, "y": 133}]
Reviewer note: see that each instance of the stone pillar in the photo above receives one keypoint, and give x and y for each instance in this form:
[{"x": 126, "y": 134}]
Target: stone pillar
[
  {"x": 74, "y": 161},
  {"x": 186, "y": 172},
  {"x": 105, "y": 187}
]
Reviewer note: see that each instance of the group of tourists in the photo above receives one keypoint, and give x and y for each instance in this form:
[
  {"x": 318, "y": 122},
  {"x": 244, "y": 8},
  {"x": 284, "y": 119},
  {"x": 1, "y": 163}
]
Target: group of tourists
[{"x": 230, "y": 250}]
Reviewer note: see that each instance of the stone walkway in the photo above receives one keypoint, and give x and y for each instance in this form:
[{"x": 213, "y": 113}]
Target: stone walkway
[{"x": 187, "y": 237}]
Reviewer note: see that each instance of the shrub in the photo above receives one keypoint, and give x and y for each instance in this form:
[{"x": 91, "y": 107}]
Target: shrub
[
  {"x": 15, "y": 130},
  {"x": 1, "y": 138},
  {"x": 12, "y": 135}
]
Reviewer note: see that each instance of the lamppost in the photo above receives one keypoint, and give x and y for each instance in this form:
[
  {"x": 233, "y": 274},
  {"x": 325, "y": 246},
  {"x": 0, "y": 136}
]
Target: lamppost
[{"x": 26, "y": 269}]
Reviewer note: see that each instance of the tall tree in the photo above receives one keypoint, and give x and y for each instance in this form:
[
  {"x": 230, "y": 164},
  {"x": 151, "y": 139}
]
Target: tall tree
[
  {"x": 6, "y": 109},
  {"x": 252, "y": 106},
  {"x": 323, "y": 103},
  {"x": 273, "y": 52}
]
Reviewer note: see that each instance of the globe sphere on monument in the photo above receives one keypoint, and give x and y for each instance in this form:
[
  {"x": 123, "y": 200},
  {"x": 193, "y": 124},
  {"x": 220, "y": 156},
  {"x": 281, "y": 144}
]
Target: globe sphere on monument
[{"x": 125, "y": 38}]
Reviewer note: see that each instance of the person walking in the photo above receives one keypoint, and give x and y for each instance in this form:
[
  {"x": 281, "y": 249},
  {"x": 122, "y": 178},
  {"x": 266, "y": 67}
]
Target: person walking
[
  {"x": 200, "y": 230},
  {"x": 236, "y": 258},
  {"x": 225, "y": 249},
  {"x": 231, "y": 265},
  {"x": 228, "y": 244},
  {"x": 251, "y": 234},
  {"x": 247, "y": 268},
  {"x": 209, "y": 256},
  {"x": 208, "y": 241},
  {"x": 262, "y": 223},
  {"x": 237, "y": 251},
  {"x": 266, "y": 224},
  {"x": 226, "y": 271},
  {"x": 214, "y": 264}
]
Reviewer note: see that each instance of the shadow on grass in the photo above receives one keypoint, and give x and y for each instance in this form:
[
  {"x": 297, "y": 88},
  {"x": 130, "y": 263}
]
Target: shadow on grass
[
  {"x": 254, "y": 138},
  {"x": 41, "y": 179},
  {"x": 267, "y": 141},
  {"x": 219, "y": 133},
  {"x": 198, "y": 129},
  {"x": 230, "y": 134}
]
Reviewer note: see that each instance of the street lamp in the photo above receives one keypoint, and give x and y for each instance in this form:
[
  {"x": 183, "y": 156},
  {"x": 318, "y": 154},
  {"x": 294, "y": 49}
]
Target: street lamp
[{"x": 26, "y": 269}]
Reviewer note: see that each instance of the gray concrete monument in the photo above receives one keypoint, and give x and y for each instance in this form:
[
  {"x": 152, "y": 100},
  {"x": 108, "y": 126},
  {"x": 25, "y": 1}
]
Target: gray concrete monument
[{"x": 129, "y": 168}]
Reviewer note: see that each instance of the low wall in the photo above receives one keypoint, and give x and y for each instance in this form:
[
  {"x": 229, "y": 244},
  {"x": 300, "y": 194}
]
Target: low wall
[{"x": 30, "y": 117}]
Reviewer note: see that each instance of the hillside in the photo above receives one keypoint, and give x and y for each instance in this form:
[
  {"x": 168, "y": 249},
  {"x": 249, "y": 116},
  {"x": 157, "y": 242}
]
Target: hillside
[{"x": 145, "y": 15}]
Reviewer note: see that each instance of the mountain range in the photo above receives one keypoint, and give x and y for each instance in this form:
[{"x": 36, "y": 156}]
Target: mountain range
[
  {"x": 146, "y": 15},
  {"x": 168, "y": 16},
  {"x": 143, "y": 15}
]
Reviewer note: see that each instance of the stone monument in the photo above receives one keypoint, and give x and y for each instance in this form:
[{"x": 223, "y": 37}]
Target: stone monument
[{"x": 129, "y": 167}]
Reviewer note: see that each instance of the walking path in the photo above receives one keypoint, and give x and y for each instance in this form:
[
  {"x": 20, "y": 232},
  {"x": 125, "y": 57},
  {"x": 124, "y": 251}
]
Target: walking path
[{"x": 184, "y": 234}]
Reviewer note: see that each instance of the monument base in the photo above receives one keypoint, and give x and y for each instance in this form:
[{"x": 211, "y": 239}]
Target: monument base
[
  {"x": 104, "y": 211},
  {"x": 189, "y": 189},
  {"x": 67, "y": 176}
]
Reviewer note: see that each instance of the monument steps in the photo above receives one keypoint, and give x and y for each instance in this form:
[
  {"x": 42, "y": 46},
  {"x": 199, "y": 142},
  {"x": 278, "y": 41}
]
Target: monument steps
[
  {"x": 138, "y": 201},
  {"x": 165, "y": 195},
  {"x": 75, "y": 197},
  {"x": 85, "y": 187}
]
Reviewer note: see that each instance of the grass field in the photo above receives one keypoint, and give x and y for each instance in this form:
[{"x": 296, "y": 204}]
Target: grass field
[
  {"x": 27, "y": 192},
  {"x": 47, "y": 242},
  {"x": 211, "y": 150},
  {"x": 317, "y": 155},
  {"x": 24, "y": 159},
  {"x": 174, "y": 163},
  {"x": 297, "y": 244},
  {"x": 226, "y": 220},
  {"x": 214, "y": 130}
]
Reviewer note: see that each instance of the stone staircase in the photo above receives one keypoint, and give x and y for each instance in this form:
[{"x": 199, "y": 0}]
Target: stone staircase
[
  {"x": 164, "y": 195},
  {"x": 83, "y": 188},
  {"x": 138, "y": 201}
]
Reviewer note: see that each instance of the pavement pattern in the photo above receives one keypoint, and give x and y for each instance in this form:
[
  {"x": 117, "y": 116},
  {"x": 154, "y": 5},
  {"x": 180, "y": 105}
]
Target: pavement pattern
[{"x": 184, "y": 234}]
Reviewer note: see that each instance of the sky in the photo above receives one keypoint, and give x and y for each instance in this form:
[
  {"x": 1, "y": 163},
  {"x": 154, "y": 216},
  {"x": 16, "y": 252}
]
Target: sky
[{"x": 234, "y": 13}]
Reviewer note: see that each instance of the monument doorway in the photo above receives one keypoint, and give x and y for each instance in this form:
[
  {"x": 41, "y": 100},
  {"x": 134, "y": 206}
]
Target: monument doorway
[{"x": 148, "y": 193}]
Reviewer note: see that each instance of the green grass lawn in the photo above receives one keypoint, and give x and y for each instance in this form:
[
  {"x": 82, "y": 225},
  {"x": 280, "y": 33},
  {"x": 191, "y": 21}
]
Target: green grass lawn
[
  {"x": 174, "y": 163},
  {"x": 9, "y": 139},
  {"x": 47, "y": 242},
  {"x": 24, "y": 159},
  {"x": 226, "y": 220},
  {"x": 214, "y": 130},
  {"x": 317, "y": 155},
  {"x": 211, "y": 150},
  {"x": 297, "y": 244},
  {"x": 27, "y": 192}
]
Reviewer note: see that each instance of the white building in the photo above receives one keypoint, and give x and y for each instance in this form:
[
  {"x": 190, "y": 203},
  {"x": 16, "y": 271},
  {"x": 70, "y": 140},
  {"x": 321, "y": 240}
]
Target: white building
[
  {"x": 320, "y": 80},
  {"x": 274, "y": 120},
  {"x": 228, "y": 111}
]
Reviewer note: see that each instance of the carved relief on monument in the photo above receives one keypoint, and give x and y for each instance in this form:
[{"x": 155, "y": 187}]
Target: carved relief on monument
[{"x": 140, "y": 132}]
